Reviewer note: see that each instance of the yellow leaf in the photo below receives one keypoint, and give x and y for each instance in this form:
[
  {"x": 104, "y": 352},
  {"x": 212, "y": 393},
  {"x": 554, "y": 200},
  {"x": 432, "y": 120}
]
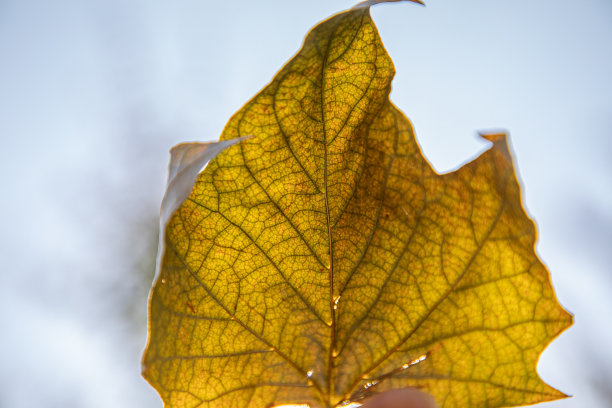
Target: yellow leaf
[{"x": 323, "y": 260}]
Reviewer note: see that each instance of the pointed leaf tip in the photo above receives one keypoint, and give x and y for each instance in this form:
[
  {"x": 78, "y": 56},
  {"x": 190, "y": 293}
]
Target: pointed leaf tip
[
  {"x": 369, "y": 3},
  {"x": 494, "y": 137}
]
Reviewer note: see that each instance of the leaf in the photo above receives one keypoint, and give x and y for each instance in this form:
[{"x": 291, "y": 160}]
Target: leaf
[{"x": 323, "y": 260}]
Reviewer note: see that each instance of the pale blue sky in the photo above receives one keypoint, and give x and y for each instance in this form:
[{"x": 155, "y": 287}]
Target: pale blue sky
[{"x": 93, "y": 93}]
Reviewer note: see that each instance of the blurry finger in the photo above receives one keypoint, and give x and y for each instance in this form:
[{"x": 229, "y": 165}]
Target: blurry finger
[{"x": 401, "y": 398}]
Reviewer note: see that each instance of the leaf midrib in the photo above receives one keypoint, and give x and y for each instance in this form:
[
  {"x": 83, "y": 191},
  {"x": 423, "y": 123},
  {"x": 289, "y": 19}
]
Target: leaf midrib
[{"x": 330, "y": 267}]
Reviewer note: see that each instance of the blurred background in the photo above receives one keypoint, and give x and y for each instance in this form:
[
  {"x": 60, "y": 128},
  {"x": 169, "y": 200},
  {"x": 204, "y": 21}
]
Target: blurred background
[{"x": 94, "y": 93}]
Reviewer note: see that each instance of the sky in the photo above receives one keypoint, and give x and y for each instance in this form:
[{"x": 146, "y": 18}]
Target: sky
[{"x": 93, "y": 94}]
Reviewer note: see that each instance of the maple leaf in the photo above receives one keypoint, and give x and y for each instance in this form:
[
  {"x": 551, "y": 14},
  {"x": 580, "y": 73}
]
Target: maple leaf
[{"x": 323, "y": 260}]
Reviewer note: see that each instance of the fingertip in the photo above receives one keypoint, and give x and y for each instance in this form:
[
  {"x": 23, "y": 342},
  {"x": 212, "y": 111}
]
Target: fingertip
[{"x": 401, "y": 398}]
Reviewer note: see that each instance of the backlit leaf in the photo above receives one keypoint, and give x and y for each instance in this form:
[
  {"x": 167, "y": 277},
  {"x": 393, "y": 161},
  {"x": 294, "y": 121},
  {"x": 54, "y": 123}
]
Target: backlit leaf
[{"x": 323, "y": 260}]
